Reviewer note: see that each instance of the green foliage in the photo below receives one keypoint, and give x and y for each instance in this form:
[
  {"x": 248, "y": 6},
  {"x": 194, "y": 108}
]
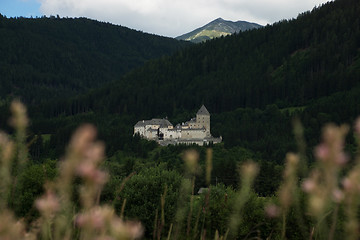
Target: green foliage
[
  {"x": 29, "y": 186},
  {"x": 215, "y": 212},
  {"x": 322, "y": 205},
  {"x": 143, "y": 194}
]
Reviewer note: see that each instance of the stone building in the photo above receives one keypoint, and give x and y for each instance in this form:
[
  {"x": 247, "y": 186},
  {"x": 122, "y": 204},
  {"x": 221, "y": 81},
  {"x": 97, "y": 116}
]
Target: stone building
[{"x": 196, "y": 130}]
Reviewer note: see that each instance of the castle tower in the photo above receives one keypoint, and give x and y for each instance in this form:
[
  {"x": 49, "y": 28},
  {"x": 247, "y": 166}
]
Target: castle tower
[{"x": 203, "y": 119}]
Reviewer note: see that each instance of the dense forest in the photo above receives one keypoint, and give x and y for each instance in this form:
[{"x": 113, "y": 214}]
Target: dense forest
[
  {"x": 43, "y": 59},
  {"x": 269, "y": 91},
  {"x": 289, "y": 63},
  {"x": 253, "y": 84}
]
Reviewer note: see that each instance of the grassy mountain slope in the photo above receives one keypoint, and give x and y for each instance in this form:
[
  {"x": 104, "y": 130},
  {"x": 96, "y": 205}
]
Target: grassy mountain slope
[
  {"x": 217, "y": 28},
  {"x": 47, "y": 58}
]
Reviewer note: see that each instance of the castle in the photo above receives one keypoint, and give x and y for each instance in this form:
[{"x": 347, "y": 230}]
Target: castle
[{"x": 196, "y": 130}]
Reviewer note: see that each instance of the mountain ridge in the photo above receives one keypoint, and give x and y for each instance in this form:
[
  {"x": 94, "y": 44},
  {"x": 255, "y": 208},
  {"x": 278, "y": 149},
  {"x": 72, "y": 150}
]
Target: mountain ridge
[{"x": 217, "y": 28}]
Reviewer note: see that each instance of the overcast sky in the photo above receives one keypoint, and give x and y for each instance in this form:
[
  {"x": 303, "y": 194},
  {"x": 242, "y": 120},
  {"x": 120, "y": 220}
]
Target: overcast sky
[{"x": 163, "y": 17}]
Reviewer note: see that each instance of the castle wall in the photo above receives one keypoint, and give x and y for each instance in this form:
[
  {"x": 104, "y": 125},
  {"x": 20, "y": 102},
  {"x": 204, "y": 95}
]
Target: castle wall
[
  {"x": 193, "y": 134},
  {"x": 203, "y": 121},
  {"x": 151, "y": 134},
  {"x": 140, "y": 131},
  {"x": 171, "y": 134}
]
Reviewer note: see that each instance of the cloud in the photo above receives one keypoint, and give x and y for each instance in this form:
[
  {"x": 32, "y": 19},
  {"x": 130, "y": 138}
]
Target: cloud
[{"x": 175, "y": 17}]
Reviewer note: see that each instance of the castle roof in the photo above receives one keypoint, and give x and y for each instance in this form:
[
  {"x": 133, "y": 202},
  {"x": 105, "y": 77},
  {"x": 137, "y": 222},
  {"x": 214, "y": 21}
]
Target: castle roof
[
  {"x": 155, "y": 121},
  {"x": 193, "y": 120},
  {"x": 192, "y": 129},
  {"x": 203, "y": 111}
]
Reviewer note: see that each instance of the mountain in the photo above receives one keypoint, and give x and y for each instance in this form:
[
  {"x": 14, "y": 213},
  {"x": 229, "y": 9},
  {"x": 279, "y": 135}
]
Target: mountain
[
  {"x": 49, "y": 58},
  {"x": 217, "y": 28}
]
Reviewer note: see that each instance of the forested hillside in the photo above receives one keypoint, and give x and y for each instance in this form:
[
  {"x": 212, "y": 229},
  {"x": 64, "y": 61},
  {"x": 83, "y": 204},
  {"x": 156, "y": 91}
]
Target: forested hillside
[
  {"x": 290, "y": 63},
  {"x": 253, "y": 84},
  {"x": 49, "y": 58}
]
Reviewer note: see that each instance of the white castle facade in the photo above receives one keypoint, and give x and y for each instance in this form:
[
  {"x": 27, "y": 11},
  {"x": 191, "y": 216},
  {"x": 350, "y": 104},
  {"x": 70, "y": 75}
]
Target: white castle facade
[{"x": 196, "y": 130}]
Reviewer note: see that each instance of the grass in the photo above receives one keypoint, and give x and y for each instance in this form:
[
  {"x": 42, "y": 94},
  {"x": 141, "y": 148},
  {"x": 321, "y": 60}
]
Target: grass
[{"x": 209, "y": 33}]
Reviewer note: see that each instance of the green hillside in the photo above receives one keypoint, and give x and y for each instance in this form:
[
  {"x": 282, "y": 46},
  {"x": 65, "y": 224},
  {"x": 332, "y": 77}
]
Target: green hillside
[
  {"x": 48, "y": 58},
  {"x": 290, "y": 63},
  {"x": 253, "y": 84}
]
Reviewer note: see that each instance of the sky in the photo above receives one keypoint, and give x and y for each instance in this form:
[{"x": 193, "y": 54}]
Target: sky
[{"x": 162, "y": 17}]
